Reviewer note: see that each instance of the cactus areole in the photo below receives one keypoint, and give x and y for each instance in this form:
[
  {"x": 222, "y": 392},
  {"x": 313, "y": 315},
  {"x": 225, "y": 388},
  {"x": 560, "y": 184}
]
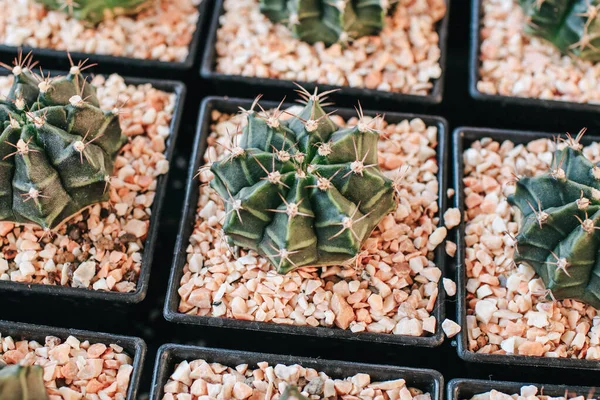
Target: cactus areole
[
  {"x": 22, "y": 383},
  {"x": 302, "y": 191},
  {"x": 95, "y": 11},
  {"x": 570, "y": 25},
  {"x": 57, "y": 147},
  {"x": 559, "y": 231},
  {"x": 328, "y": 21}
]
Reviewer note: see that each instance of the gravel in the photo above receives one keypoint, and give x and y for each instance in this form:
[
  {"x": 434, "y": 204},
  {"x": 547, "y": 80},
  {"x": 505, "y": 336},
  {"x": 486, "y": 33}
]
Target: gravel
[{"x": 531, "y": 392}]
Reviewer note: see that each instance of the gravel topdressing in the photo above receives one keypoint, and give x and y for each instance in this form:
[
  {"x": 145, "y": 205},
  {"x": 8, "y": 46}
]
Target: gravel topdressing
[
  {"x": 101, "y": 248},
  {"x": 508, "y": 309},
  {"x": 392, "y": 287},
  {"x": 403, "y": 58},
  {"x": 532, "y": 393}
]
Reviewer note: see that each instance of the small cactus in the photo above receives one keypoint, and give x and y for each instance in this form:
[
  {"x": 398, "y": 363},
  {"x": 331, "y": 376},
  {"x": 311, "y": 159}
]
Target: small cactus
[
  {"x": 292, "y": 393},
  {"x": 328, "y": 21},
  {"x": 22, "y": 383},
  {"x": 559, "y": 231},
  {"x": 302, "y": 191},
  {"x": 57, "y": 148},
  {"x": 95, "y": 11},
  {"x": 570, "y": 25}
]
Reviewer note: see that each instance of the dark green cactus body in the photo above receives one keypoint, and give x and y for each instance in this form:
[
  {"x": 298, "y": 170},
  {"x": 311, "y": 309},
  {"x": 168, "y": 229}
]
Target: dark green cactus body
[
  {"x": 57, "y": 148},
  {"x": 22, "y": 383},
  {"x": 559, "y": 232},
  {"x": 303, "y": 191},
  {"x": 571, "y": 25},
  {"x": 94, "y": 11},
  {"x": 328, "y": 21}
]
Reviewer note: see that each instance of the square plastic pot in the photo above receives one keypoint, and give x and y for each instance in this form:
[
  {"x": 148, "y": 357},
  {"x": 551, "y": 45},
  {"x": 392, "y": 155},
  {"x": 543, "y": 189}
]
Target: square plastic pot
[
  {"x": 465, "y": 389},
  {"x": 230, "y": 106}
]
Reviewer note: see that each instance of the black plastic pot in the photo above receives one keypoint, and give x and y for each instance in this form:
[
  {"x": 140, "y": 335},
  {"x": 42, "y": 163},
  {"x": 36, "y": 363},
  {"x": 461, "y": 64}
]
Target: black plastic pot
[
  {"x": 465, "y": 389},
  {"x": 135, "y": 347},
  {"x": 427, "y": 380},
  {"x": 235, "y": 83},
  {"x": 230, "y": 106},
  {"x": 16, "y": 292},
  {"x": 57, "y": 59},
  {"x": 476, "y": 13},
  {"x": 463, "y": 137}
]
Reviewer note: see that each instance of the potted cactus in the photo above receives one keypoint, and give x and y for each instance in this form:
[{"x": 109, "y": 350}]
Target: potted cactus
[
  {"x": 240, "y": 375},
  {"x": 527, "y": 269},
  {"x": 383, "y": 49},
  {"x": 147, "y": 37},
  {"x": 307, "y": 220},
  {"x": 474, "y": 389},
  {"x": 531, "y": 52},
  {"x": 82, "y": 169}
]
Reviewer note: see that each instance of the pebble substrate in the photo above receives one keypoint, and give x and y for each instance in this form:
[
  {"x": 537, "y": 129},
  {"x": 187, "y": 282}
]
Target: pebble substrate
[
  {"x": 73, "y": 369},
  {"x": 403, "y": 58},
  {"x": 508, "y": 308},
  {"x": 199, "y": 379},
  {"x": 514, "y": 63},
  {"x": 101, "y": 248},
  {"x": 162, "y": 32},
  {"x": 393, "y": 286},
  {"x": 530, "y": 392}
]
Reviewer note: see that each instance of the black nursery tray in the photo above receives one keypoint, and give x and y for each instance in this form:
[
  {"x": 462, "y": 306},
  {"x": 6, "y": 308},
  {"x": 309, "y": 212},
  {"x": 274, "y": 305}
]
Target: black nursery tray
[
  {"x": 465, "y": 389},
  {"x": 171, "y": 354},
  {"x": 230, "y": 106},
  {"x": 134, "y": 347},
  {"x": 462, "y": 138},
  {"x": 16, "y": 292},
  {"x": 234, "y": 82}
]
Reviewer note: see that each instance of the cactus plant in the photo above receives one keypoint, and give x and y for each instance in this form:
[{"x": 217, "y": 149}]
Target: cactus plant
[
  {"x": 57, "y": 147},
  {"x": 571, "y": 25},
  {"x": 559, "y": 231},
  {"x": 22, "y": 383},
  {"x": 302, "y": 191},
  {"x": 95, "y": 11},
  {"x": 328, "y": 21},
  {"x": 292, "y": 393}
]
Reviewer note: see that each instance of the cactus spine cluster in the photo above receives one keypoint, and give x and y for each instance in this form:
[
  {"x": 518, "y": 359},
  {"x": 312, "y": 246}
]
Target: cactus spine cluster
[
  {"x": 57, "y": 147},
  {"x": 302, "y": 191},
  {"x": 328, "y": 21},
  {"x": 95, "y": 11},
  {"x": 22, "y": 383},
  {"x": 571, "y": 25},
  {"x": 559, "y": 232}
]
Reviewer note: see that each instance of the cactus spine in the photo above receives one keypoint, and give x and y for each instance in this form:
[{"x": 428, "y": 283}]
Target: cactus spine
[
  {"x": 22, "y": 383},
  {"x": 95, "y": 11},
  {"x": 302, "y": 191},
  {"x": 57, "y": 147},
  {"x": 559, "y": 232}
]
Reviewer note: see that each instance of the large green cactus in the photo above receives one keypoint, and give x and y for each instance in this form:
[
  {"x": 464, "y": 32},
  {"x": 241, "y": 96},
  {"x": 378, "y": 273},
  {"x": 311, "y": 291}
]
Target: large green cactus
[
  {"x": 22, "y": 383},
  {"x": 558, "y": 233},
  {"x": 94, "y": 11},
  {"x": 328, "y": 21},
  {"x": 302, "y": 191},
  {"x": 57, "y": 148},
  {"x": 571, "y": 25}
]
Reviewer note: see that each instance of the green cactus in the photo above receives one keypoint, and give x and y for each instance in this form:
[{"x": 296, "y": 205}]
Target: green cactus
[
  {"x": 22, "y": 383},
  {"x": 292, "y": 393},
  {"x": 57, "y": 148},
  {"x": 95, "y": 11},
  {"x": 570, "y": 25},
  {"x": 302, "y": 191},
  {"x": 328, "y": 21},
  {"x": 559, "y": 231}
]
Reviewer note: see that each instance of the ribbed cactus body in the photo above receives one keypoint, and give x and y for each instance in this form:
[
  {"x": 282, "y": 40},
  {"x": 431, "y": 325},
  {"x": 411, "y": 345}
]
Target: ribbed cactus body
[
  {"x": 57, "y": 148},
  {"x": 95, "y": 11},
  {"x": 302, "y": 191},
  {"x": 571, "y": 25},
  {"x": 22, "y": 383},
  {"x": 559, "y": 232},
  {"x": 328, "y": 21}
]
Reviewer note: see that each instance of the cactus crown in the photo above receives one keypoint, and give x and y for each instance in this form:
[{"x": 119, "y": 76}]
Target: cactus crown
[
  {"x": 95, "y": 11},
  {"x": 22, "y": 383},
  {"x": 292, "y": 393},
  {"x": 302, "y": 191},
  {"x": 57, "y": 147},
  {"x": 570, "y": 25},
  {"x": 328, "y": 21},
  {"x": 559, "y": 232}
]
